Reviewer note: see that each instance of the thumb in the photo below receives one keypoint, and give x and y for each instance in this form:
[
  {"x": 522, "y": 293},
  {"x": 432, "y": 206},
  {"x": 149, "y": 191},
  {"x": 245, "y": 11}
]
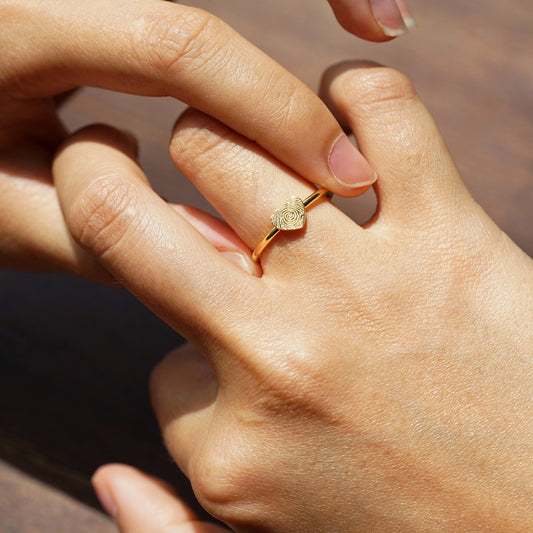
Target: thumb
[
  {"x": 183, "y": 389},
  {"x": 140, "y": 503}
]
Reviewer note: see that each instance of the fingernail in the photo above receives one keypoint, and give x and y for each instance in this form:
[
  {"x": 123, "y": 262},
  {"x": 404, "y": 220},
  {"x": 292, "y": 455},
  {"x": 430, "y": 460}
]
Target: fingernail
[
  {"x": 408, "y": 19},
  {"x": 105, "y": 497},
  {"x": 389, "y": 16},
  {"x": 349, "y": 166}
]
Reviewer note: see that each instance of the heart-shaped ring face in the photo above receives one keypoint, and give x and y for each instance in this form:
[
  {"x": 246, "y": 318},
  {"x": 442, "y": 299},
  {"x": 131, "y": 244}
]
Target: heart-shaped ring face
[{"x": 291, "y": 216}]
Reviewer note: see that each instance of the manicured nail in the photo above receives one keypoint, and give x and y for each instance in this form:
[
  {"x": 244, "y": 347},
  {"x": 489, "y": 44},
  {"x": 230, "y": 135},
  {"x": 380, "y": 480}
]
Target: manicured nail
[
  {"x": 389, "y": 16},
  {"x": 105, "y": 497},
  {"x": 348, "y": 165},
  {"x": 408, "y": 19}
]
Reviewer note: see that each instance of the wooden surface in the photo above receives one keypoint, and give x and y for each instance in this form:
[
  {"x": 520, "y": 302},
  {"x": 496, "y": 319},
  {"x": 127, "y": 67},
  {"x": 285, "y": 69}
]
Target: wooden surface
[{"x": 75, "y": 357}]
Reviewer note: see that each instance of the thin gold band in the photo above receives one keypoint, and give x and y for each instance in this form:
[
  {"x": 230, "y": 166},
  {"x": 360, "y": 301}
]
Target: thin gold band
[{"x": 307, "y": 203}]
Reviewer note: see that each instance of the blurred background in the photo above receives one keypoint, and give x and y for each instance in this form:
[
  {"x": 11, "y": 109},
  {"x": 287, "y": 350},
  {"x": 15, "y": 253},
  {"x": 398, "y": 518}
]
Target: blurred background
[{"x": 75, "y": 356}]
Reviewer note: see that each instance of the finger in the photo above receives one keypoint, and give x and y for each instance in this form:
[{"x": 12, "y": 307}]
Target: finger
[
  {"x": 246, "y": 185},
  {"x": 417, "y": 178},
  {"x": 374, "y": 20},
  {"x": 114, "y": 215},
  {"x": 33, "y": 233},
  {"x": 183, "y": 391},
  {"x": 221, "y": 236},
  {"x": 34, "y": 236},
  {"x": 143, "y": 504},
  {"x": 158, "y": 48}
]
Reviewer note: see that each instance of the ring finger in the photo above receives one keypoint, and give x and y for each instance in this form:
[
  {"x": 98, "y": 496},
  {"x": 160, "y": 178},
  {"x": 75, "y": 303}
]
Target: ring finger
[{"x": 246, "y": 185}]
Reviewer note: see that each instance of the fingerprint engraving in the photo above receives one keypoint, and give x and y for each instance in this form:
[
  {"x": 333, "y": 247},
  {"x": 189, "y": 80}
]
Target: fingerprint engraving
[{"x": 291, "y": 216}]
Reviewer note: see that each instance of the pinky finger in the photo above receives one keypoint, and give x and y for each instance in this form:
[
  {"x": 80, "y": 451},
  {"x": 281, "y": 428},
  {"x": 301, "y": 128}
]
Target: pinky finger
[
  {"x": 140, "y": 503},
  {"x": 221, "y": 236}
]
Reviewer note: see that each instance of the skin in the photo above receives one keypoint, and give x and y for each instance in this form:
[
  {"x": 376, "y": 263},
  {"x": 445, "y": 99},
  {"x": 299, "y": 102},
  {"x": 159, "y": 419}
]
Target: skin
[
  {"x": 374, "y": 378},
  {"x": 146, "y": 47},
  {"x": 143, "y": 504}
]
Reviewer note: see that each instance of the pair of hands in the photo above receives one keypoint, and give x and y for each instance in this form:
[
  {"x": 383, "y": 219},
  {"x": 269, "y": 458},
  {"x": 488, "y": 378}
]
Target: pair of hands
[
  {"x": 150, "y": 47},
  {"x": 374, "y": 379}
]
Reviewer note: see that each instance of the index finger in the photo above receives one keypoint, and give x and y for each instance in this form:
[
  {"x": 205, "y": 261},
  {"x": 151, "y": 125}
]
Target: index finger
[{"x": 156, "y": 48}]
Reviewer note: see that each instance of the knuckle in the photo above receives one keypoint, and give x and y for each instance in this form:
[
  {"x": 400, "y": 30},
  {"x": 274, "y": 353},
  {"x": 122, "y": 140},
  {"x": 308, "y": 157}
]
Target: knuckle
[
  {"x": 199, "y": 143},
  {"x": 292, "y": 106},
  {"x": 379, "y": 89},
  {"x": 102, "y": 214},
  {"x": 221, "y": 480},
  {"x": 193, "y": 137},
  {"x": 183, "y": 39},
  {"x": 294, "y": 383}
]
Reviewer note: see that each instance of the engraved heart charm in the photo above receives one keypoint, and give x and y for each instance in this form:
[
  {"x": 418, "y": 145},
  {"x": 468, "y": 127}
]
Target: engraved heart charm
[{"x": 291, "y": 216}]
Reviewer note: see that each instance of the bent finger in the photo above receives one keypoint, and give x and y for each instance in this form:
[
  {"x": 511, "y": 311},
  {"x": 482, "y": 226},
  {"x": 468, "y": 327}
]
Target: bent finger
[
  {"x": 113, "y": 214},
  {"x": 157, "y": 48},
  {"x": 417, "y": 177}
]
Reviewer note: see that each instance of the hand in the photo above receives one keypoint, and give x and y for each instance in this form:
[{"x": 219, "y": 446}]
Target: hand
[
  {"x": 374, "y": 378},
  {"x": 145, "y": 47},
  {"x": 142, "y": 504}
]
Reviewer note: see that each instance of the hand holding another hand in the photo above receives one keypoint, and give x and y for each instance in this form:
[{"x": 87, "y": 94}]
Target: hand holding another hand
[{"x": 148, "y": 47}]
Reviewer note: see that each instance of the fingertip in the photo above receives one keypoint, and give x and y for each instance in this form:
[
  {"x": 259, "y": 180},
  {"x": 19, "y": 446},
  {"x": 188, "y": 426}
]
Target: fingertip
[
  {"x": 351, "y": 170},
  {"x": 374, "y": 20},
  {"x": 357, "y": 18},
  {"x": 349, "y": 167}
]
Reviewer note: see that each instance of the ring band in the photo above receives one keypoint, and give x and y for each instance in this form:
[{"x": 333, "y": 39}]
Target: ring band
[{"x": 290, "y": 217}]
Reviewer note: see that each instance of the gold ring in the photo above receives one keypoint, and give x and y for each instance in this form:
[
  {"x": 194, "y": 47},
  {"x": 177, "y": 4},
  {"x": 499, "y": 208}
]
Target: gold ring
[{"x": 290, "y": 217}]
